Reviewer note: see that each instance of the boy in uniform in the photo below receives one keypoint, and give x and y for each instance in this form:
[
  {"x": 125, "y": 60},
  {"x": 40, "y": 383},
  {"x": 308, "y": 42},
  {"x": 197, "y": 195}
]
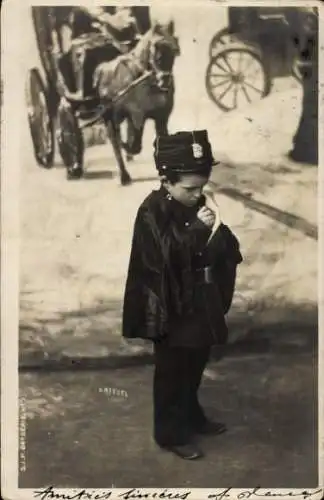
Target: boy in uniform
[{"x": 180, "y": 285}]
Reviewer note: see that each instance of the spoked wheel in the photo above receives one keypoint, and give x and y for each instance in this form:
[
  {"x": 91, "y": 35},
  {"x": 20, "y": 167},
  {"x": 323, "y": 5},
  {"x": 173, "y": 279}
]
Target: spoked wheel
[
  {"x": 220, "y": 40},
  {"x": 237, "y": 76},
  {"x": 40, "y": 121},
  {"x": 43, "y": 30},
  {"x": 70, "y": 140}
]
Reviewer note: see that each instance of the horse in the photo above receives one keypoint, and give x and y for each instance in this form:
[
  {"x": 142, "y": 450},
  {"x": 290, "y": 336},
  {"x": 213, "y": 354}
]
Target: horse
[{"x": 134, "y": 87}]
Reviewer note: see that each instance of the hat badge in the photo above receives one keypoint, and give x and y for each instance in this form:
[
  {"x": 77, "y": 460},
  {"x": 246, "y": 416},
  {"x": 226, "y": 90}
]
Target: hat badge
[{"x": 197, "y": 150}]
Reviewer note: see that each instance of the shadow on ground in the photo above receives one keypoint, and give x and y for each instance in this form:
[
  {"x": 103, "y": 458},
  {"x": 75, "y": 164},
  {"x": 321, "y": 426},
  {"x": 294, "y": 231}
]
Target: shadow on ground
[
  {"x": 257, "y": 178},
  {"x": 286, "y": 218},
  {"x": 91, "y": 337},
  {"x": 98, "y": 174}
]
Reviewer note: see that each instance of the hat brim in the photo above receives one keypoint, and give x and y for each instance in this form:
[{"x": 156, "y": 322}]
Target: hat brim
[{"x": 201, "y": 169}]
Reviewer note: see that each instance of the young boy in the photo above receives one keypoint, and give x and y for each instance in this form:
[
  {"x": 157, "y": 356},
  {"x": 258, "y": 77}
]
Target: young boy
[{"x": 180, "y": 285}]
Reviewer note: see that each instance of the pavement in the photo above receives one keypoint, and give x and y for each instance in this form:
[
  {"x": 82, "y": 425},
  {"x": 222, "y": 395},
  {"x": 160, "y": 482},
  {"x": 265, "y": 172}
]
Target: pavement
[{"x": 93, "y": 429}]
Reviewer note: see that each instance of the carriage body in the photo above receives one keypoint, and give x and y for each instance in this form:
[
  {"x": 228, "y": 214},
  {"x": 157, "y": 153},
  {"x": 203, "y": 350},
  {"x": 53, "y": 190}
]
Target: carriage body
[
  {"x": 271, "y": 30},
  {"x": 59, "y": 91},
  {"x": 272, "y": 36},
  {"x": 76, "y": 58}
]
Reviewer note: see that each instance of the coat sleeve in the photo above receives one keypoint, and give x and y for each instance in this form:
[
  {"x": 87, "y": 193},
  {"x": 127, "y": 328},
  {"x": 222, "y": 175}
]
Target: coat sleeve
[
  {"x": 144, "y": 311},
  {"x": 147, "y": 240},
  {"x": 225, "y": 246},
  {"x": 226, "y": 255}
]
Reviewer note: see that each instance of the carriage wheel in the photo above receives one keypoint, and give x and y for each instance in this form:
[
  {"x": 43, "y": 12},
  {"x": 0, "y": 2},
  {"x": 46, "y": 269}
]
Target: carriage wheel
[
  {"x": 237, "y": 76},
  {"x": 40, "y": 122},
  {"x": 221, "y": 39},
  {"x": 70, "y": 138},
  {"x": 43, "y": 30}
]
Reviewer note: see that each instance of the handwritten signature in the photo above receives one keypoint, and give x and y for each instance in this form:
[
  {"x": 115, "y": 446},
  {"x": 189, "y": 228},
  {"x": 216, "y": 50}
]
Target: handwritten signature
[
  {"x": 258, "y": 492},
  {"x": 132, "y": 494},
  {"x": 50, "y": 493}
]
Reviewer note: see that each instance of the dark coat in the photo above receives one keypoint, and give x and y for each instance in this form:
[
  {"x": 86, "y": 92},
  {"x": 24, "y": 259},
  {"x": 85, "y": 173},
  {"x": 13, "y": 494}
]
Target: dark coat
[{"x": 169, "y": 244}]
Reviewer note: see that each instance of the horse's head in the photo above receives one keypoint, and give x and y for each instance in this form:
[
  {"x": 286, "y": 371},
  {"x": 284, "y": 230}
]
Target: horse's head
[{"x": 164, "y": 47}]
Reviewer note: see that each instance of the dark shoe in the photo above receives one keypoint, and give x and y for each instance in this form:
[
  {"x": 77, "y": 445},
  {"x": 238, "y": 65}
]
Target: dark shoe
[
  {"x": 211, "y": 428},
  {"x": 185, "y": 451},
  {"x": 75, "y": 172}
]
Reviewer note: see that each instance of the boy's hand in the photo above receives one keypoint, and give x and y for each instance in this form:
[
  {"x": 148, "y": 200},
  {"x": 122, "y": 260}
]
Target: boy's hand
[{"x": 206, "y": 216}]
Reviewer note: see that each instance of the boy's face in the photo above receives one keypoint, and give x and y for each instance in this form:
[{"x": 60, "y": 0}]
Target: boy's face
[{"x": 188, "y": 189}]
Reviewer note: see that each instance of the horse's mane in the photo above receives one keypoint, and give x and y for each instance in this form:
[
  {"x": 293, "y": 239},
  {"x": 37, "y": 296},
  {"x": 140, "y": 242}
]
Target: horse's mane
[
  {"x": 141, "y": 51},
  {"x": 112, "y": 76}
]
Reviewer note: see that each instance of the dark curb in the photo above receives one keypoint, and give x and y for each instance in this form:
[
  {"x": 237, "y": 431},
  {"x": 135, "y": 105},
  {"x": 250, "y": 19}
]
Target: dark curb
[
  {"x": 64, "y": 363},
  {"x": 120, "y": 355},
  {"x": 250, "y": 345}
]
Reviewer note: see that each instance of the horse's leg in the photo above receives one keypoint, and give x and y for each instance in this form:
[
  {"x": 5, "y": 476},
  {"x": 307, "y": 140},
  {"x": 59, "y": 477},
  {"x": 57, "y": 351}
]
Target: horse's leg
[
  {"x": 129, "y": 156},
  {"x": 130, "y": 127},
  {"x": 161, "y": 124},
  {"x": 114, "y": 136},
  {"x": 133, "y": 145},
  {"x": 162, "y": 115}
]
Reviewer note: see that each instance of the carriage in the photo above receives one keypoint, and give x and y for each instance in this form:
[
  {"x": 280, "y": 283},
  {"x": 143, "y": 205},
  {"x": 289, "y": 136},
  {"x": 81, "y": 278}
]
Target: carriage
[
  {"x": 258, "y": 45},
  {"x": 59, "y": 99}
]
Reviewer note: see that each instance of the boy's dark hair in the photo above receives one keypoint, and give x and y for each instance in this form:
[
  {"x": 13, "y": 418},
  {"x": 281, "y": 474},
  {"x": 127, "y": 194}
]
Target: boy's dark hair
[{"x": 173, "y": 176}]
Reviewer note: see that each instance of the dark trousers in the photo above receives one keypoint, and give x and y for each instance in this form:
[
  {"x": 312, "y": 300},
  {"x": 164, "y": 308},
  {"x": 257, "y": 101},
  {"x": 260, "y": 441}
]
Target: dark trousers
[{"x": 177, "y": 377}]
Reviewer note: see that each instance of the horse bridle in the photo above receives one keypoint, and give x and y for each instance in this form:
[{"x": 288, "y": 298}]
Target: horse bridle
[{"x": 159, "y": 74}]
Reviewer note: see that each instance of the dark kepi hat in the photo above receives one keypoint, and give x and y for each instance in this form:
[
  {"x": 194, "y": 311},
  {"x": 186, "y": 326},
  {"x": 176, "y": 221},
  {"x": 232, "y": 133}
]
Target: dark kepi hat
[{"x": 184, "y": 152}]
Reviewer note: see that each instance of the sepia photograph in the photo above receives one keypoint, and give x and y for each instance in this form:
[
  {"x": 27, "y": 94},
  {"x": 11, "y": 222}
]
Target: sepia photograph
[{"x": 168, "y": 282}]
